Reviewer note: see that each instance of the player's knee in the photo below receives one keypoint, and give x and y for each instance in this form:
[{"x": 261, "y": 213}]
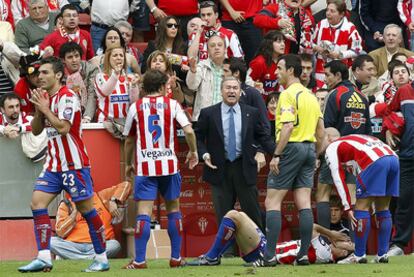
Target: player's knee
[
  {"x": 271, "y": 204},
  {"x": 233, "y": 214},
  {"x": 36, "y": 205},
  {"x": 172, "y": 205}
]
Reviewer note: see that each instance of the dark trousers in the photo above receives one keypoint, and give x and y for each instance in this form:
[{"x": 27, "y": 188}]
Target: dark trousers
[
  {"x": 234, "y": 187},
  {"x": 249, "y": 36},
  {"x": 404, "y": 214}
]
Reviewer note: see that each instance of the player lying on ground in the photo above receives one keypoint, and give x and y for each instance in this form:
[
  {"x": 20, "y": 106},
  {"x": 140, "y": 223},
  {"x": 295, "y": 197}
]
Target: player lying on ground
[{"x": 237, "y": 226}]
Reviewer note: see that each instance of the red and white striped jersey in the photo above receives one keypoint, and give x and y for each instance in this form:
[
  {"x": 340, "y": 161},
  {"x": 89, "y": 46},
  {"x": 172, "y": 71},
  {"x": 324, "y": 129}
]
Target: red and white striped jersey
[
  {"x": 344, "y": 39},
  {"x": 319, "y": 251},
  {"x": 116, "y": 104},
  {"x": 153, "y": 121},
  {"x": 353, "y": 153},
  {"x": 405, "y": 9},
  {"x": 23, "y": 122},
  {"x": 232, "y": 42},
  {"x": 66, "y": 152}
]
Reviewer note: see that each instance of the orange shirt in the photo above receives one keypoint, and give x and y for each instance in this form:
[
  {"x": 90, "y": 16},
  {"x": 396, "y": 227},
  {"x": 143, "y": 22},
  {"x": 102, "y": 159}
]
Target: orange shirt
[{"x": 75, "y": 228}]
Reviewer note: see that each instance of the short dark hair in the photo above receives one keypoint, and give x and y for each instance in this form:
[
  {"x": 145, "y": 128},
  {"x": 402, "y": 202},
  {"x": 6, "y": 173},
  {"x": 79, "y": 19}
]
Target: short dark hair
[
  {"x": 57, "y": 65},
  {"x": 153, "y": 80},
  {"x": 121, "y": 38},
  {"x": 396, "y": 63},
  {"x": 292, "y": 61},
  {"x": 68, "y": 7},
  {"x": 8, "y": 96},
  {"x": 237, "y": 64},
  {"x": 321, "y": 90},
  {"x": 58, "y": 16},
  {"x": 360, "y": 60},
  {"x": 335, "y": 202},
  {"x": 305, "y": 57},
  {"x": 398, "y": 54},
  {"x": 69, "y": 47},
  {"x": 209, "y": 4},
  {"x": 336, "y": 66},
  {"x": 272, "y": 95}
]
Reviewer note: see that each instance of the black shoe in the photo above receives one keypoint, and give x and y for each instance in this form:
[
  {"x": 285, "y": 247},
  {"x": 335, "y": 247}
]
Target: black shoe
[
  {"x": 203, "y": 260},
  {"x": 304, "y": 260},
  {"x": 263, "y": 262}
]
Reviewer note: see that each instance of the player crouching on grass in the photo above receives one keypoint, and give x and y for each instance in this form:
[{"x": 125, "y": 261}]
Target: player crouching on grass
[
  {"x": 237, "y": 226},
  {"x": 377, "y": 170}
]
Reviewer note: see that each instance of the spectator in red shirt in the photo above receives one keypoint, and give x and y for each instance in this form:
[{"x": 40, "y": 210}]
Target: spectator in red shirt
[
  {"x": 29, "y": 79},
  {"x": 69, "y": 31},
  {"x": 263, "y": 66},
  {"x": 238, "y": 16},
  {"x": 293, "y": 20},
  {"x": 6, "y": 12},
  {"x": 183, "y": 10}
]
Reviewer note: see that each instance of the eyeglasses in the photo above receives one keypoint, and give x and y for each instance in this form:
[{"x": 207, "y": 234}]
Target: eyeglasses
[{"x": 170, "y": 25}]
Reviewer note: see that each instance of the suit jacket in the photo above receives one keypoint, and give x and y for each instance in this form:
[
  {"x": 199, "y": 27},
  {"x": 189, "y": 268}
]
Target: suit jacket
[
  {"x": 210, "y": 139},
  {"x": 380, "y": 58}
]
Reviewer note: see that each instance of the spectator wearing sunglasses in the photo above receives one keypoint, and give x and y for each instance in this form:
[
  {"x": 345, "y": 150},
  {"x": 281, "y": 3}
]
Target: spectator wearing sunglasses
[{"x": 168, "y": 40}]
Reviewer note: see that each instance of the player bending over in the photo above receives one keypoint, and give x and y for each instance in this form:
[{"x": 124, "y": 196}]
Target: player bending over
[{"x": 377, "y": 170}]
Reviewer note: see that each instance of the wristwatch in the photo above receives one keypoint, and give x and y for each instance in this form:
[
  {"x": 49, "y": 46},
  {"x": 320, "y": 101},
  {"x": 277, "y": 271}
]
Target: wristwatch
[
  {"x": 276, "y": 156},
  {"x": 113, "y": 199}
]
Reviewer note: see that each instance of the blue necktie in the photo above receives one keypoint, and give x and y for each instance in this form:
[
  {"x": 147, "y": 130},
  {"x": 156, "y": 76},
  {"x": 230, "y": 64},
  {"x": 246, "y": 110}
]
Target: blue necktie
[{"x": 231, "y": 146}]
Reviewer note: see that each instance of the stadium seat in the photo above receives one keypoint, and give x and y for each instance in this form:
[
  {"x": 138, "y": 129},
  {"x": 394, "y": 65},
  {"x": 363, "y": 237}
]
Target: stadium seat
[{"x": 199, "y": 232}]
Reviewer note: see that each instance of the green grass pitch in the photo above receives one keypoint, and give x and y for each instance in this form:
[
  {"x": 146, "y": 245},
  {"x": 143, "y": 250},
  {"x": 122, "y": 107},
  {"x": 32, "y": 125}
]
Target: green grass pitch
[{"x": 398, "y": 266}]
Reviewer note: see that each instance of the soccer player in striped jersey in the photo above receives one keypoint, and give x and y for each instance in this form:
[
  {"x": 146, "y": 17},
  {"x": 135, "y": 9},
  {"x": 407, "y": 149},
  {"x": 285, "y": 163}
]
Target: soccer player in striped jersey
[
  {"x": 151, "y": 126},
  {"x": 67, "y": 165},
  {"x": 238, "y": 227},
  {"x": 377, "y": 170}
]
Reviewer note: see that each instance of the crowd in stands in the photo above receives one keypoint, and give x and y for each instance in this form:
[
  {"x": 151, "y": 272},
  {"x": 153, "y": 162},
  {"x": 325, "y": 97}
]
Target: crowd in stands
[{"x": 356, "y": 59}]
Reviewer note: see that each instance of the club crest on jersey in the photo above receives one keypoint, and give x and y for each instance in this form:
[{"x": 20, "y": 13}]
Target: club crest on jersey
[
  {"x": 356, "y": 120},
  {"x": 67, "y": 113}
]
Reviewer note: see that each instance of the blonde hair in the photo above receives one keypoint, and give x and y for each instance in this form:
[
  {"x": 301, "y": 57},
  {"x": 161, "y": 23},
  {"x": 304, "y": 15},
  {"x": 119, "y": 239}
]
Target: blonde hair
[{"x": 107, "y": 68}]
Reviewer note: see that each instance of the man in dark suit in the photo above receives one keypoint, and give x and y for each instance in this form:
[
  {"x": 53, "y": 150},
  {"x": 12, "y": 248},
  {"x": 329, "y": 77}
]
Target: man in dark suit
[{"x": 226, "y": 135}]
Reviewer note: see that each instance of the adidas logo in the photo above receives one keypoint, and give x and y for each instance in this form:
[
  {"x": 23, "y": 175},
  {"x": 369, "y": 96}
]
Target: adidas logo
[{"x": 355, "y": 102}]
